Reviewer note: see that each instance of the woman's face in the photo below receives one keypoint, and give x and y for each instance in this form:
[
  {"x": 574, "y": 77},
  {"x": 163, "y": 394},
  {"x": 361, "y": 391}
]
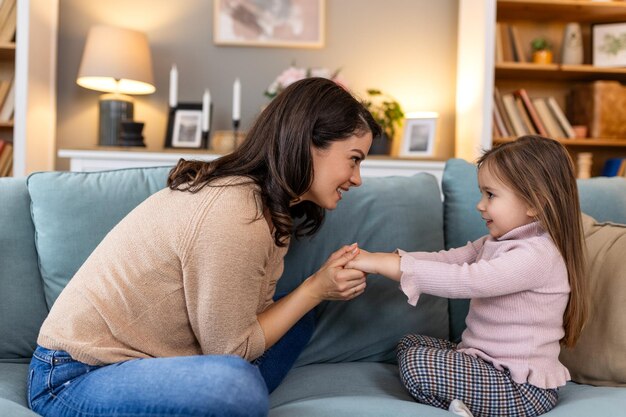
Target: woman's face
[{"x": 336, "y": 169}]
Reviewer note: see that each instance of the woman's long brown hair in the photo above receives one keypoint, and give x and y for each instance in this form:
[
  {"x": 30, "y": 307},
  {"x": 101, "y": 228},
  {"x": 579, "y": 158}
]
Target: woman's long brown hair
[
  {"x": 277, "y": 156},
  {"x": 541, "y": 172}
]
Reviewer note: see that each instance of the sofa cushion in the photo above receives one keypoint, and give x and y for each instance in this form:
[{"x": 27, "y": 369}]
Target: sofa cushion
[
  {"x": 381, "y": 215},
  {"x": 22, "y": 304},
  {"x": 602, "y": 198},
  {"x": 346, "y": 389},
  {"x": 73, "y": 211},
  {"x": 599, "y": 357},
  {"x": 374, "y": 389}
]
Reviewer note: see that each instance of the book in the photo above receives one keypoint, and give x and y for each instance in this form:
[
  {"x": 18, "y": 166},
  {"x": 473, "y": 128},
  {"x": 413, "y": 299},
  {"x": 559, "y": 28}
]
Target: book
[
  {"x": 518, "y": 51},
  {"x": 530, "y": 129},
  {"x": 507, "y": 45},
  {"x": 499, "y": 48},
  {"x": 495, "y": 133},
  {"x": 498, "y": 122},
  {"x": 505, "y": 118},
  {"x": 612, "y": 167},
  {"x": 6, "y": 111},
  {"x": 512, "y": 112},
  {"x": 560, "y": 117},
  {"x": 4, "y": 90},
  {"x": 532, "y": 112},
  {"x": 7, "y": 27},
  {"x": 549, "y": 121},
  {"x": 5, "y": 10},
  {"x": 5, "y": 159}
]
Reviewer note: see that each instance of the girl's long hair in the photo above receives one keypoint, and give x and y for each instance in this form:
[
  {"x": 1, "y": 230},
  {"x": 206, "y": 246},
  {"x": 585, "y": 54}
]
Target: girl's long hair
[
  {"x": 277, "y": 152},
  {"x": 541, "y": 172}
]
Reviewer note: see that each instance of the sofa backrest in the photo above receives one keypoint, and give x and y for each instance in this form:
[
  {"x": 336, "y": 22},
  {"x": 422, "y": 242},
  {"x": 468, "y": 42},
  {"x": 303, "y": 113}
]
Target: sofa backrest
[
  {"x": 381, "y": 215},
  {"x": 73, "y": 211},
  {"x": 602, "y": 198},
  {"x": 22, "y": 304}
]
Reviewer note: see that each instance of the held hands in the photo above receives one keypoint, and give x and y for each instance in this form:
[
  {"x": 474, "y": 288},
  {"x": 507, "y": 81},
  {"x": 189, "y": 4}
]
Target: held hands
[
  {"x": 387, "y": 264},
  {"x": 333, "y": 281}
]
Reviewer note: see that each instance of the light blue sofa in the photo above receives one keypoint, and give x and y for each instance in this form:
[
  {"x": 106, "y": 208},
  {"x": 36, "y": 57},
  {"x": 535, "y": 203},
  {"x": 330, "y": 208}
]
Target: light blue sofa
[{"x": 50, "y": 222}]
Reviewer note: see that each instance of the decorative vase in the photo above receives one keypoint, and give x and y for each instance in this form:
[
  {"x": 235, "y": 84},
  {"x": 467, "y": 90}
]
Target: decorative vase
[
  {"x": 572, "y": 46},
  {"x": 542, "y": 56}
]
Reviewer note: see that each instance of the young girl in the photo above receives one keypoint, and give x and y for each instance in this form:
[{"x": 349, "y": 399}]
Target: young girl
[{"x": 525, "y": 280}]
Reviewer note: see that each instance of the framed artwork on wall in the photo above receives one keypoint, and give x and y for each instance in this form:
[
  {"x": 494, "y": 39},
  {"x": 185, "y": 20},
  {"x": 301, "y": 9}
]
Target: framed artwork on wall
[
  {"x": 609, "y": 45},
  {"x": 282, "y": 23},
  {"x": 418, "y": 138}
]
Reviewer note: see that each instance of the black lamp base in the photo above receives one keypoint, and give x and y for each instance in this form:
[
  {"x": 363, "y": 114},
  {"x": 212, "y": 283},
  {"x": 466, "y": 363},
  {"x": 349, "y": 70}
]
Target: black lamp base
[{"x": 114, "y": 108}]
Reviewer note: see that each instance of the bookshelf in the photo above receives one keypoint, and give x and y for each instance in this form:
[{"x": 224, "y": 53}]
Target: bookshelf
[{"x": 532, "y": 18}]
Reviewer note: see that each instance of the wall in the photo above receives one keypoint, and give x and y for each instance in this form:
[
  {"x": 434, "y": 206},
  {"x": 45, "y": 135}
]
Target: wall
[{"x": 407, "y": 48}]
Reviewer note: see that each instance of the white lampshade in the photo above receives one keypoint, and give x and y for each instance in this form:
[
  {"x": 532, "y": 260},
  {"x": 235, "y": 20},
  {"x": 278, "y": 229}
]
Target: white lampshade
[{"x": 116, "y": 60}]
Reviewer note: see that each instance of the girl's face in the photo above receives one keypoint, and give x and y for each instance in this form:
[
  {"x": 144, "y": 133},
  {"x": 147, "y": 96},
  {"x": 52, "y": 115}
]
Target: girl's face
[
  {"x": 499, "y": 206},
  {"x": 336, "y": 169}
]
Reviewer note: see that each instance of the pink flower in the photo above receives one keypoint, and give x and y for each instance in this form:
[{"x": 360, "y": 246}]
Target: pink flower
[{"x": 293, "y": 74}]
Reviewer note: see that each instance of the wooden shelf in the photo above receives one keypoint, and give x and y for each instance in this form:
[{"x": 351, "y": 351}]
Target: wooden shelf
[
  {"x": 530, "y": 71},
  {"x": 7, "y": 50},
  {"x": 6, "y": 125},
  {"x": 608, "y": 143},
  {"x": 583, "y": 11}
]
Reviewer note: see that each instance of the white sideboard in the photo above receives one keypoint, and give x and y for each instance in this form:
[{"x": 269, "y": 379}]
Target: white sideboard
[{"x": 115, "y": 158}]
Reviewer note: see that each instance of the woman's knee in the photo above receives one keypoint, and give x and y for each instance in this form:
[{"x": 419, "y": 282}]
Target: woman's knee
[{"x": 241, "y": 390}]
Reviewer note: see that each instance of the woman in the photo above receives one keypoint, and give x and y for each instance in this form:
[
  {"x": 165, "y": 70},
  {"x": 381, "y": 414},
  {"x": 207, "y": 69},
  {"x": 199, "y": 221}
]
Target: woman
[{"x": 166, "y": 314}]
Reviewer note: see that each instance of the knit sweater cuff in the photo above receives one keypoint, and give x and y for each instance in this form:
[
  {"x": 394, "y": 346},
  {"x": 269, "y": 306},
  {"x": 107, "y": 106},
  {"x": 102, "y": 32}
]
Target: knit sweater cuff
[{"x": 408, "y": 284}]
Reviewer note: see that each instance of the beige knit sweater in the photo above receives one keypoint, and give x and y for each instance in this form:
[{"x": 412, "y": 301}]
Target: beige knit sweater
[{"x": 182, "y": 274}]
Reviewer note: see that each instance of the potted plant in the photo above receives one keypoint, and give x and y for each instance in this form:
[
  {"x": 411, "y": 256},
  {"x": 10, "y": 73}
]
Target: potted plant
[
  {"x": 542, "y": 51},
  {"x": 388, "y": 114}
]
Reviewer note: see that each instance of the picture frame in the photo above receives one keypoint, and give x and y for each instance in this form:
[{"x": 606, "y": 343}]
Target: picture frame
[
  {"x": 184, "y": 127},
  {"x": 609, "y": 44},
  {"x": 289, "y": 23},
  {"x": 418, "y": 136}
]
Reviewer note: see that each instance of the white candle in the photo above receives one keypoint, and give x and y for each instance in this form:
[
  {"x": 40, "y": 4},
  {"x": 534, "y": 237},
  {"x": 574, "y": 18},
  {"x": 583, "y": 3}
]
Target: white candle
[
  {"x": 173, "y": 100},
  {"x": 237, "y": 100},
  {"x": 206, "y": 110}
]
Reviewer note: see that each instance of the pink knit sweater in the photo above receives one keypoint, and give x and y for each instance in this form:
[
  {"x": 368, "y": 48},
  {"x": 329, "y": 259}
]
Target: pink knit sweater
[{"x": 519, "y": 290}]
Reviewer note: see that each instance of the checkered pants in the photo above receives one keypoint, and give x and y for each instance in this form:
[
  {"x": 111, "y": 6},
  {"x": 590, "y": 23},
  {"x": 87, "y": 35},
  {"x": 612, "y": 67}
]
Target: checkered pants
[{"x": 435, "y": 374}]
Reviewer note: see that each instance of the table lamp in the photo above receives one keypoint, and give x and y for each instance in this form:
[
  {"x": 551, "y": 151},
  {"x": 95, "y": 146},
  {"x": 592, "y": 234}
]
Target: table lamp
[{"x": 116, "y": 61}]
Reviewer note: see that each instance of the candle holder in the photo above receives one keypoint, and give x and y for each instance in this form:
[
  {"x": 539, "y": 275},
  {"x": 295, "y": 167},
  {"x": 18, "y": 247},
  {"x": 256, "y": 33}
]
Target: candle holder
[{"x": 235, "y": 132}]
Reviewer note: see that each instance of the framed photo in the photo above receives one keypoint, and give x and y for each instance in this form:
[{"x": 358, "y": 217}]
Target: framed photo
[
  {"x": 418, "y": 138},
  {"x": 283, "y": 23},
  {"x": 184, "y": 127},
  {"x": 609, "y": 45}
]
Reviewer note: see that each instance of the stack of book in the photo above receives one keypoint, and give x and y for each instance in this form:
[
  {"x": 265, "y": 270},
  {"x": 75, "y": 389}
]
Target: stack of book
[
  {"x": 508, "y": 44},
  {"x": 516, "y": 114},
  {"x": 6, "y": 158},
  {"x": 8, "y": 20}
]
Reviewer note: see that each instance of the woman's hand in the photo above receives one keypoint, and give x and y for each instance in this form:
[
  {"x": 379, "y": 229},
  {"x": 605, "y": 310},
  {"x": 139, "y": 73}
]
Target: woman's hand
[{"x": 335, "y": 282}]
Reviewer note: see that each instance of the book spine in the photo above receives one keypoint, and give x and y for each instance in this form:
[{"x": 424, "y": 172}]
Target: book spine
[
  {"x": 560, "y": 117},
  {"x": 511, "y": 110},
  {"x": 532, "y": 112}
]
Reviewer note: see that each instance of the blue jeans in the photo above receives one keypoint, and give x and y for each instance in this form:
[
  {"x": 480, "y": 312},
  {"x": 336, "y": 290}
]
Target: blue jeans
[{"x": 207, "y": 385}]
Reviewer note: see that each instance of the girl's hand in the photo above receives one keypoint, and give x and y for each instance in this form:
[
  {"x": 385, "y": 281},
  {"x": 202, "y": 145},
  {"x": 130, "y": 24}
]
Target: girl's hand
[
  {"x": 364, "y": 261},
  {"x": 335, "y": 282},
  {"x": 387, "y": 264}
]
